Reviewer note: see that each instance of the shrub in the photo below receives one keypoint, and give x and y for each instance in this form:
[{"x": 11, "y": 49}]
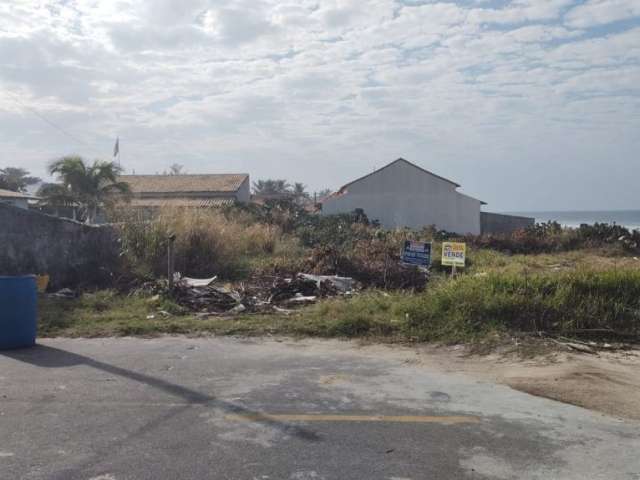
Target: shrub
[{"x": 552, "y": 237}]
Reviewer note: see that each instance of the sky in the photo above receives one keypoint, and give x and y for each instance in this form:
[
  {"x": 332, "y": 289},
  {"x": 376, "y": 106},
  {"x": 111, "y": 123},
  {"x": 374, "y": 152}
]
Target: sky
[{"x": 528, "y": 104}]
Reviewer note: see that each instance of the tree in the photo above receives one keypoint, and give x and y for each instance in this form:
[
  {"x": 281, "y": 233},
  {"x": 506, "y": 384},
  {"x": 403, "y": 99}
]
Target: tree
[
  {"x": 271, "y": 187},
  {"x": 300, "y": 194},
  {"x": 89, "y": 186},
  {"x": 16, "y": 179},
  {"x": 176, "y": 169},
  {"x": 300, "y": 190},
  {"x": 323, "y": 193}
]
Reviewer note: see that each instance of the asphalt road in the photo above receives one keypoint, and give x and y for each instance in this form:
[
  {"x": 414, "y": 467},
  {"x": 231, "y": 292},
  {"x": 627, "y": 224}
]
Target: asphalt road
[{"x": 181, "y": 408}]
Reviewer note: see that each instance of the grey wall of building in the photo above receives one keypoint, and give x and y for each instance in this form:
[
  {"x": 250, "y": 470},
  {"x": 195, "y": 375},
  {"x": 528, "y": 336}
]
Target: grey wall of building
[
  {"x": 70, "y": 252},
  {"x": 401, "y": 195},
  {"x": 497, "y": 223}
]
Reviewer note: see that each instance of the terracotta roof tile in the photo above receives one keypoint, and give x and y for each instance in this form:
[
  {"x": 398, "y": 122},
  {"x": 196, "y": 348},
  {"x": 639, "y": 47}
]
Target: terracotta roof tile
[
  {"x": 11, "y": 194},
  {"x": 180, "y": 202},
  {"x": 224, "y": 182}
]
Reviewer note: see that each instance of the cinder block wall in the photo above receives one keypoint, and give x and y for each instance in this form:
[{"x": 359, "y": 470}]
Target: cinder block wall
[
  {"x": 70, "y": 252},
  {"x": 496, "y": 223}
]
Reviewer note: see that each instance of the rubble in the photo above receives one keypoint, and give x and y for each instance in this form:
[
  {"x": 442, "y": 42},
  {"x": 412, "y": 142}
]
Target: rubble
[
  {"x": 259, "y": 295},
  {"x": 63, "y": 293}
]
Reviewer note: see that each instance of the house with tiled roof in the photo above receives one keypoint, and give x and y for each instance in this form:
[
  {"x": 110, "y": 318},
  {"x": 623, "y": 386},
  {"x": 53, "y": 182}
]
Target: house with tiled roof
[
  {"x": 199, "y": 190},
  {"x": 16, "y": 199}
]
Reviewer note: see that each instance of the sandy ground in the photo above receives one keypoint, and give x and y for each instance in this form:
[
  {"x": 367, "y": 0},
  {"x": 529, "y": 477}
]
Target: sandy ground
[{"x": 608, "y": 382}]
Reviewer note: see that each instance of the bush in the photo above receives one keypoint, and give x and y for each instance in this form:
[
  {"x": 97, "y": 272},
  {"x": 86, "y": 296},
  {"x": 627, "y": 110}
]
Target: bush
[{"x": 552, "y": 237}]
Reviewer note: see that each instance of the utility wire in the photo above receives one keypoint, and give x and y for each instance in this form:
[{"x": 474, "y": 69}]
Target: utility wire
[{"x": 43, "y": 118}]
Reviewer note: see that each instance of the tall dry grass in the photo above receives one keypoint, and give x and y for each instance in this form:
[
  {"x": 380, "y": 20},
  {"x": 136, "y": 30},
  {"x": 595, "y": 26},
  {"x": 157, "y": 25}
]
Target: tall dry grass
[{"x": 207, "y": 242}]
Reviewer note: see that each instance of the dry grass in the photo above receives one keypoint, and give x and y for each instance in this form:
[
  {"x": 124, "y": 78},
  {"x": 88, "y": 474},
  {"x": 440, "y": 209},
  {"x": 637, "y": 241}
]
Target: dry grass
[
  {"x": 207, "y": 242},
  {"x": 488, "y": 261}
]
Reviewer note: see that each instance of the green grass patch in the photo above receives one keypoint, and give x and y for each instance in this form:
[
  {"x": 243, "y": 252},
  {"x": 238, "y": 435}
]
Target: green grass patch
[{"x": 469, "y": 308}]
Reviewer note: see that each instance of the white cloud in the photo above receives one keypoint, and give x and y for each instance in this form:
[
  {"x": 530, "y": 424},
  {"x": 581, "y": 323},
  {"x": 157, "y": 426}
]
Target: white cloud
[
  {"x": 323, "y": 91},
  {"x": 601, "y": 12}
]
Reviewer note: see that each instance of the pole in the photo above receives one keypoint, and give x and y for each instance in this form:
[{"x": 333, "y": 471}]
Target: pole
[
  {"x": 453, "y": 270},
  {"x": 170, "y": 259}
]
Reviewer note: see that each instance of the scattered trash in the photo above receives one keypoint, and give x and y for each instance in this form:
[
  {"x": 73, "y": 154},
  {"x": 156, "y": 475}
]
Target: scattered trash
[
  {"x": 258, "y": 295},
  {"x": 299, "y": 300},
  {"x": 63, "y": 293},
  {"x": 197, "y": 282},
  {"x": 342, "y": 284},
  {"x": 238, "y": 309}
]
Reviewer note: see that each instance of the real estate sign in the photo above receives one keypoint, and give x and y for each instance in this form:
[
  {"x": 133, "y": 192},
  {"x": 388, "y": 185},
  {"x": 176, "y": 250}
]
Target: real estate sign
[
  {"x": 454, "y": 254},
  {"x": 416, "y": 253}
]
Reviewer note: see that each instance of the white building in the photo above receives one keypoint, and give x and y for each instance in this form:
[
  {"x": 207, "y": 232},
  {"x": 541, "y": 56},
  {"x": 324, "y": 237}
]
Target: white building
[
  {"x": 402, "y": 194},
  {"x": 17, "y": 199}
]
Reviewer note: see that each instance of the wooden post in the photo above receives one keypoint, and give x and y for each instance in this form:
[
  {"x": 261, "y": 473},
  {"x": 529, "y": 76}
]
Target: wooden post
[
  {"x": 453, "y": 270},
  {"x": 170, "y": 259}
]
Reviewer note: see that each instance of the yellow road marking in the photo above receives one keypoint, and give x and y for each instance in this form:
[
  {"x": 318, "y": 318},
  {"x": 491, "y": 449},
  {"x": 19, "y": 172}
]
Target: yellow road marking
[{"x": 264, "y": 417}]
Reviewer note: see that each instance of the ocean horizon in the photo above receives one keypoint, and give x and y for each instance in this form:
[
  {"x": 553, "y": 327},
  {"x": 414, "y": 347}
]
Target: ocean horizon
[{"x": 574, "y": 218}]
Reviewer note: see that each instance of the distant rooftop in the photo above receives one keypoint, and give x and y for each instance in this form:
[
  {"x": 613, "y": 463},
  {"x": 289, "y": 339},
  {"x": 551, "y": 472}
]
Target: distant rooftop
[
  {"x": 180, "y": 202},
  {"x": 344, "y": 187},
  {"x": 213, "y": 183},
  {"x": 12, "y": 194}
]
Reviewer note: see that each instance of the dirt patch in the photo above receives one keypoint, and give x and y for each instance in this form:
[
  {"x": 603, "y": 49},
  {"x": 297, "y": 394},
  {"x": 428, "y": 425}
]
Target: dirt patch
[{"x": 607, "y": 382}]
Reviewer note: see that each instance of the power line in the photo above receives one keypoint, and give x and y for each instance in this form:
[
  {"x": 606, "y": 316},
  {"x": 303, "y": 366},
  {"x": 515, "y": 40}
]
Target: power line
[{"x": 43, "y": 118}]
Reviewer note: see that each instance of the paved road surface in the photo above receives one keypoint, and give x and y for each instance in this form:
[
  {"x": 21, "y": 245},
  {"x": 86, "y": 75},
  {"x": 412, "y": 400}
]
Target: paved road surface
[{"x": 180, "y": 408}]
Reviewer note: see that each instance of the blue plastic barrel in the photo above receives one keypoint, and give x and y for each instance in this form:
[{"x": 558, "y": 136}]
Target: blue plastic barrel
[{"x": 18, "y": 312}]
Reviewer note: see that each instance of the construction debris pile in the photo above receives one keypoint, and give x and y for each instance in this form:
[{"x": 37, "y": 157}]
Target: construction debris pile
[{"x": 260, "y": 295}]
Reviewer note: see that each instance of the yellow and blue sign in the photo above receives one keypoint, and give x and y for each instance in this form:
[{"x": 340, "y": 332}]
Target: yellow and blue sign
[
  {"x": 416, "y": 253},
  {"x": 454, "y": 254}
]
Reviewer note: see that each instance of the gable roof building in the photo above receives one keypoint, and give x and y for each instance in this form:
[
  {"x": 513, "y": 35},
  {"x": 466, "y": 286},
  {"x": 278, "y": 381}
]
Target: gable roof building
[
  {"x": 402, "y": 194},
  {"x": 203, "y": 190}
]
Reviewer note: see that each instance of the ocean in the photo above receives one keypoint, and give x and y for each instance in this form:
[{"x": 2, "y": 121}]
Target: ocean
[{"x": 626, "y": 218}]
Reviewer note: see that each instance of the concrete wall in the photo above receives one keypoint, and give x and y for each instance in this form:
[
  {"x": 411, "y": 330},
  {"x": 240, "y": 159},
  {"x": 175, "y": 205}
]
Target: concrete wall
[
  {"x": 402, "y": 195},
  {"x": 70, "y": 252},
  {"x": 496, "y": 223},
  {"x": 16, "y": 202}
]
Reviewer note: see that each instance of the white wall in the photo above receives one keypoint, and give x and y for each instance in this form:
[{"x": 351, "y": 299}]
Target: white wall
[
  {"x": 402, "y": 195},
  {"x": 244, "y": 192}
]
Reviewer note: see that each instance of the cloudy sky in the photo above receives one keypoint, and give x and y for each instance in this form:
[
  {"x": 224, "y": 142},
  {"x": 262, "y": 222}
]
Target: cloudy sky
[{"x": 529, "y": 104}]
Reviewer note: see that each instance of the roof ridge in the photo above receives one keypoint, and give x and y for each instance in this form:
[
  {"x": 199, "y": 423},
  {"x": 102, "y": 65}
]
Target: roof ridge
[
  {"x": 399, "y": 159},
  {"x": 162, "y": 175}
]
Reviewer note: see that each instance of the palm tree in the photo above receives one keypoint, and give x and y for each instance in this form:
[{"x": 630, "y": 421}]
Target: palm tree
[
  {"x": 271, "y": 187},
  {"x": 89, "y": 186},
  {"x": 300, "y": 194},
  {"x": 176, "y": 169}
]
